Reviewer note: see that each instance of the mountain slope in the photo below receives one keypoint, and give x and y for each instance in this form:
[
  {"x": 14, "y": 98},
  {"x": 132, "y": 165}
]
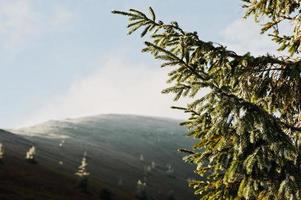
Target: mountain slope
[
  {"x": 121, "y": 149},
  {"x": 20, "y": 180}
]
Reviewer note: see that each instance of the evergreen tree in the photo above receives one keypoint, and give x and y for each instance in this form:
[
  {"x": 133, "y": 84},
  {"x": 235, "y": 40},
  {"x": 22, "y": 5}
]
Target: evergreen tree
[
  {"x": 2, "y": 152},
  {"x": 31, "y": 154},
  {"x": 83, "y": 174},
  {"x": 246, "y": 125},
  {"x": 141, "y": 191}
]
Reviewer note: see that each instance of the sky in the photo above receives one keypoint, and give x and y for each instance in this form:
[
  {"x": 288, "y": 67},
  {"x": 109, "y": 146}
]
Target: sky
[{"x": 72, "y": 58}]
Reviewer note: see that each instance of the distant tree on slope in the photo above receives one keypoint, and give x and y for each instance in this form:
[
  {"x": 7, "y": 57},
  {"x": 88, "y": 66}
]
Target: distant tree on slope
[
  {"x": 2, "y": 152},
  {"x": 141, "y": 193},
  {"x": 247, "y": 122},
  {"x": 31, "y": 154},
  {"x": 83, "y": 174}
]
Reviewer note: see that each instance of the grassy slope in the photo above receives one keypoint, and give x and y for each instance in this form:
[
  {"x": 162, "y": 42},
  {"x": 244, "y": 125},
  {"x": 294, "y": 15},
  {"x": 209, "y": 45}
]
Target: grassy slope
[
  {"x": 20, "y": 180},
  {"x": 114, "y": 144}
]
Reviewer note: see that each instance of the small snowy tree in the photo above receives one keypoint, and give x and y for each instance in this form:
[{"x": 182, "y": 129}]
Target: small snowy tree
[
  {"x": 169, "y": 170},
  {"x": 1, "y": 152},
  {"x": 141, "y": 190},
  {"x": 83, "y": 174},
  {"x": 141, "y": 158},
  {"x": 31, "y": 154},
  {"x": 153, "y": 164}
]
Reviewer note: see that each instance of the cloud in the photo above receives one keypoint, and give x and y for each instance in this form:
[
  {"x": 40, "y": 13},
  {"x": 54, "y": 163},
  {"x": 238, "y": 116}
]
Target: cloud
[
  {"x": 243, "y": 35},
  {"x": 17, "y": 21},
  {"x": 119, "y": 86},
  {"x": 61, "y": 16},
  {"x": 21, "y": 21}
]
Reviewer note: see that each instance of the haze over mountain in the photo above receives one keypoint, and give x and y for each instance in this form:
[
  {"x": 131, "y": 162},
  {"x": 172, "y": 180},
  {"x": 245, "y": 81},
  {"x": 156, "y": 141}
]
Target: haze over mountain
[{"x": 122, "y": 150}]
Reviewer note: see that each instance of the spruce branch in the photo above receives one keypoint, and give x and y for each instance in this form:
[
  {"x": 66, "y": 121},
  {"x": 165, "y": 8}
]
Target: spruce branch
[{"x": 242, "y": 141}]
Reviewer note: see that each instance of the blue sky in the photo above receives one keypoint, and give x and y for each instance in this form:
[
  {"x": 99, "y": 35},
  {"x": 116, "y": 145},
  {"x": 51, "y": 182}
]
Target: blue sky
[{"x": 72, "y": 58}]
